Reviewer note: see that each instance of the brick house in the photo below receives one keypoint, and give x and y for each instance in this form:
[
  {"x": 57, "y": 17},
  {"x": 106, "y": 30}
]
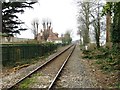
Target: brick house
[{"x": 48, "y": 35}]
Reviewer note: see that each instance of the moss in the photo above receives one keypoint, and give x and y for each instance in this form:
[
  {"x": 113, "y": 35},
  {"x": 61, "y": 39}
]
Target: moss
[
  {"x": 26, "y": 83},
  {"x": 29, "y": 81}
]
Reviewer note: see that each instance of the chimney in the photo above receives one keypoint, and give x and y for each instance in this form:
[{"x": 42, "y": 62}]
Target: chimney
[
  {"x": 47, "y": 25},
  {"x": 50, "y": 24},
  {"x": 44, "y": 27}
]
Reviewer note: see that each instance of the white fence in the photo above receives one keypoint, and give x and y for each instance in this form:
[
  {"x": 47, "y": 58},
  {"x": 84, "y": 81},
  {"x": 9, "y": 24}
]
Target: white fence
[{"x": 13, "y": 39}]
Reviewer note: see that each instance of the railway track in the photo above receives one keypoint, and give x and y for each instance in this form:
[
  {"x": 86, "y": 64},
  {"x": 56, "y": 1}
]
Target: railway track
[{"x": 46, "y": 75}]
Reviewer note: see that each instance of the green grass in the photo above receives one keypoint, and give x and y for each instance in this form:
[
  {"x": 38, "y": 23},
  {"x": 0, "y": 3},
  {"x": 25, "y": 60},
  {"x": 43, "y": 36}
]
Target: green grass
[
  {"x": 26, "y": 83},
  {"x": 37, "y": 74},
  {"x": 29, "y": 81}
]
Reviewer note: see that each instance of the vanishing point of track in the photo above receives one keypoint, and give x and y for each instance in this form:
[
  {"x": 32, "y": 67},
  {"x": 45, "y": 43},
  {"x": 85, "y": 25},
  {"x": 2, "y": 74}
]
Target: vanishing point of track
[{"x": 52, "y": 67}]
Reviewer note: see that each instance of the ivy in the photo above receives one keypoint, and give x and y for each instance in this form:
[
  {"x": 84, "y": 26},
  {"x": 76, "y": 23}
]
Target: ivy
[
  {"x": 108, "y": 8},
  {"x": 115, "y": 35},
  {"x": 114, "y": 9}
]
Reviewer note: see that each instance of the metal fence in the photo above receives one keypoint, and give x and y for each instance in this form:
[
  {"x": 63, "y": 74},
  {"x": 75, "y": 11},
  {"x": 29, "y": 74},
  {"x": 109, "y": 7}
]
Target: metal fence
[{"x": 12, "y": 53}]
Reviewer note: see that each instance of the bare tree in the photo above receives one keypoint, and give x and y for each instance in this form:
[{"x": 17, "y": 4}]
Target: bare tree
[
  {"x": 35, "y": 24},
  {"x": 46, "y": 28},
  {"x": 90, "y": 16},
  {"x": 96, "y": 23},
  {"x": 84, "y": 21}
]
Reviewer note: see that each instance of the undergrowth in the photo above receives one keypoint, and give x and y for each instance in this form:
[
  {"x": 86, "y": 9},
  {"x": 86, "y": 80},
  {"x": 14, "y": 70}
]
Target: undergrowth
[{"x": 107, "y": 59}]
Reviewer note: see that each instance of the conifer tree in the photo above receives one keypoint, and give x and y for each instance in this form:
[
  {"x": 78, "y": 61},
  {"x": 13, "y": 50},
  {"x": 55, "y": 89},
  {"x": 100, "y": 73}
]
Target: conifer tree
[{"x": 10, "y": 21}]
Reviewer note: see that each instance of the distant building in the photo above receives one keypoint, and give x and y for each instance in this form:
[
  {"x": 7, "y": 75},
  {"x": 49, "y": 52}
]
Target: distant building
[{"x": 48, "y": 35}]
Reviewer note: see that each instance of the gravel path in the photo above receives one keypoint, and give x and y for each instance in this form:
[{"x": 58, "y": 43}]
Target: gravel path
[
  {"x": 15, "y": 76},
  {"x": 75, "y": 74}
]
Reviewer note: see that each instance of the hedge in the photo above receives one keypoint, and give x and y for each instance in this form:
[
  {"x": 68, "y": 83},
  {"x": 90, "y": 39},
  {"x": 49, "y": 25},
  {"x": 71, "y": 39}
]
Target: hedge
[{"x": 12, "y": 53}]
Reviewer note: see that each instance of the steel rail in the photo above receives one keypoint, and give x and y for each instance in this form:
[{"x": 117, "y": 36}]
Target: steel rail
[
  {"x": 61, "y": 68},
  {"x": 35, "y": 70}
]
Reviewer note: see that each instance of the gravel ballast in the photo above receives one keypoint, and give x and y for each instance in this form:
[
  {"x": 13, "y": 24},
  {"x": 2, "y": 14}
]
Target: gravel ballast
[
  {"x": 8, "y": 80},
  {"x": 44, "y": 76},
  {"x": 75, "y": 74}
]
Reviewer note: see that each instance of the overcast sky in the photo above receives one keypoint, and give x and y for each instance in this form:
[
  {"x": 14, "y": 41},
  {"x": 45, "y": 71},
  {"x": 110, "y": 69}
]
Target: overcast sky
[{"x": 61, "y": 12}]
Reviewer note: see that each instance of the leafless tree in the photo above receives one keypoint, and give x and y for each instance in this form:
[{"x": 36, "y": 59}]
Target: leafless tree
[
  {"x": 35, "y": 24},
  {"x": 84, "y": 20},
  {"x": 96, "y": 23},
  {"x": 46, "y": 28},
  {"x": 90, "y": 16}
]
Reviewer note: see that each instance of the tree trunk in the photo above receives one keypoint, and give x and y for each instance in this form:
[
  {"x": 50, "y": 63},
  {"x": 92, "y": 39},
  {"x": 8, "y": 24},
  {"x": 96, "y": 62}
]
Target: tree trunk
[
  {"x": 108, "y": 32},
  {"x": 0, "y": 17},
  {"x": 86, "y": 32},
  {"x": 98, "y": 30}
]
